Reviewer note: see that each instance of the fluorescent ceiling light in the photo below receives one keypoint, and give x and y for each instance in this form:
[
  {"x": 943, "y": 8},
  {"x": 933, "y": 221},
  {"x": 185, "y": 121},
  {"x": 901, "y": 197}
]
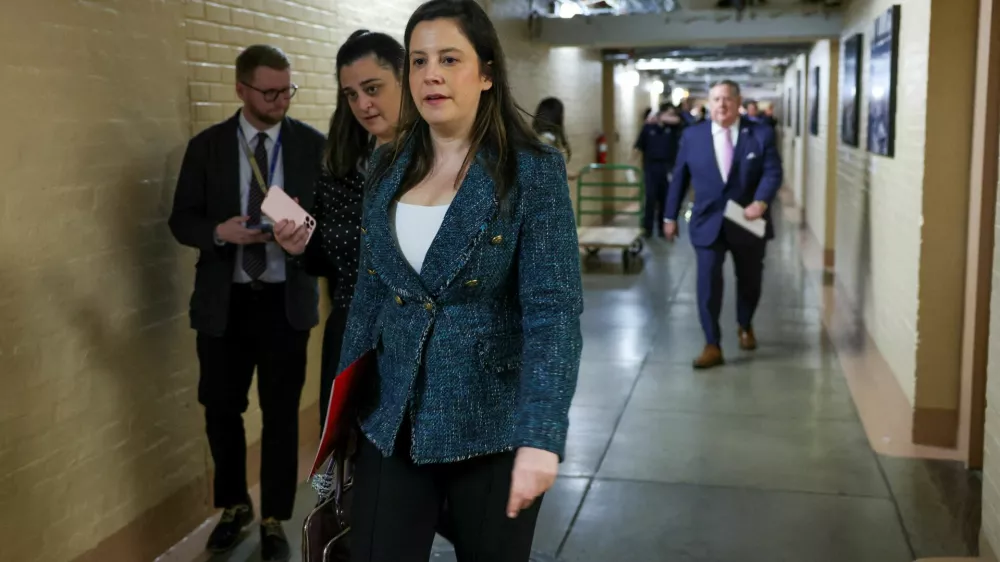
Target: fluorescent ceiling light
[
  {"x": 569, "y": 9},
  {"x": 688, "y": 65}
]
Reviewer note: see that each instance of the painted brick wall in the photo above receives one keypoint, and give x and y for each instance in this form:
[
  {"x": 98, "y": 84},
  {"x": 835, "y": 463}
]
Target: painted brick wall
[
  {"x": 308, "y": 30},
  {"x": 571, "y": 74},
  {"x": 97, "y": 412},
  {"x": 99, "y": 420},
  {"x": 991, "y": 461},
  {"x": 879, "y": 199}
]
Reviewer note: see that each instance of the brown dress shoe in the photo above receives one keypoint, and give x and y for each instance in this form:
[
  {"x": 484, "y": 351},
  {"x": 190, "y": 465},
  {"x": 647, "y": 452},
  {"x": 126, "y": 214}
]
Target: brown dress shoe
[
  {"x": 748, "y": 341},
  {"x": 710, "y": 357}
]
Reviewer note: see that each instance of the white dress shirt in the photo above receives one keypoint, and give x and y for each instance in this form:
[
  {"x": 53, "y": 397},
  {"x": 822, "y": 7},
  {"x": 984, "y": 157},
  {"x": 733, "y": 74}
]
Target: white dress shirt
[
  {"x": 719, "y": 141},
  {"x": 275, "y": 272}
]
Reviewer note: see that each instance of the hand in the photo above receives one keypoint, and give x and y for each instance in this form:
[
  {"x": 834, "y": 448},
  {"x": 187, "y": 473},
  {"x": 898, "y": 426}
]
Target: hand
[
  {"x": 670, "y": 230},
  {"x": 754, "y": 211},
  {"x": 291, "y": 238},
  {"x": 235, "y": 231},
  {"x": 534, "y": 473}
]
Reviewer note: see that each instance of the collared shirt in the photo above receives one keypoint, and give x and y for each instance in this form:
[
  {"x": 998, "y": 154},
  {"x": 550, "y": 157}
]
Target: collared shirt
[
  {"x": 275, "y": 272},
  {"x": 719, "y": 141}
]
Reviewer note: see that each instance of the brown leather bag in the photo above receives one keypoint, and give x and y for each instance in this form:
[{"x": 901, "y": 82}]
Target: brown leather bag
[{"x": 326, "y": 531}]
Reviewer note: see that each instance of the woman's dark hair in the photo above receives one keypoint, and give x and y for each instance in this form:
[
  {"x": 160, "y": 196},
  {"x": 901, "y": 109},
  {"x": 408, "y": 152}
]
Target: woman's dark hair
[
  {"x": 549, "y": 119},
  {"x": 347, "y": 142},
  {"x": 499, "y": 129}
]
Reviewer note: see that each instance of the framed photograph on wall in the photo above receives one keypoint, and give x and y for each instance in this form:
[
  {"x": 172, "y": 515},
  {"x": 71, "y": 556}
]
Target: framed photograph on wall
[
  {"x": 882, "y": 84},
  {"x": 788, "y": 108},
  {"x": 814, "y": 103},
  {"x": 850, "y": 85},
  {"x": 798, "y": 102}
]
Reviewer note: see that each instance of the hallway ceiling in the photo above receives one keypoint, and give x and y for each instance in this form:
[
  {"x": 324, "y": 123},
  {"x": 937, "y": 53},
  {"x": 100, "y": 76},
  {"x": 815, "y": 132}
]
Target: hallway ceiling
[{"x": 758, "y": 68}]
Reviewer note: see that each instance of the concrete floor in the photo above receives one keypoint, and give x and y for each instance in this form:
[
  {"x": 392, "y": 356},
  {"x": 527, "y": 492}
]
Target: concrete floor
[{"x": 763, "y": 460}]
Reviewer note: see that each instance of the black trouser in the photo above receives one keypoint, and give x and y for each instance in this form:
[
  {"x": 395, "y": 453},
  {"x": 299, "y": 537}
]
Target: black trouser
[
  {"x": 397, "y": 505},
  {"x": 657, "y": 174},
  {"x": 258, "y": 335},
  {"x": 333, "y": 339}
]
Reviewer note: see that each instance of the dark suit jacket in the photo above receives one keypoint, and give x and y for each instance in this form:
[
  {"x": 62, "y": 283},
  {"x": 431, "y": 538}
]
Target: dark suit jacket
[
  {"x": 482, "y": 347},
  {"x": 756, "y": 175},
  {"x": 208, "y": 193}
]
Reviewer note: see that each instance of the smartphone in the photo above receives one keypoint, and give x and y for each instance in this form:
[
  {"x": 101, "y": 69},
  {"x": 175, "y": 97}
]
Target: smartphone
[
  {"x": 278, "y": 206},
  {"x": 263, "y": 227}
]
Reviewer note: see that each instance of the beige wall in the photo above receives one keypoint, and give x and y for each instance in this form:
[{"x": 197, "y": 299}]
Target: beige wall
[
  {"x": 630, "y": 103},
  {"x": 569, "y": 73},
  {"x": 99, "y": 421},
  {"x": 901, "y": 235},
  {"x": 794, "y": 153},
  {"x": 988, "y": 90},
  {"x": 991, "y": 452},
  {"x": 819, "y": 191},
  {"x": 879, "y": 201}
]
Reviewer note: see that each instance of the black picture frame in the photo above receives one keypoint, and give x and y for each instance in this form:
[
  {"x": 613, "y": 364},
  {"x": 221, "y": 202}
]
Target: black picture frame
[
  {"x": 882, "y": 63},
  {"x": 814, "y": 103},
  {"x": 850, "y": 86},
  {"x": 798, "y": 103},
  {"x": 788, "y": 108}
]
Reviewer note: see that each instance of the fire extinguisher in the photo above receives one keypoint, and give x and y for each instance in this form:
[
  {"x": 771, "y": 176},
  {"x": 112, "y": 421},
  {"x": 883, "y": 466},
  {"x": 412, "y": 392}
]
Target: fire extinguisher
[{"x": 602, "y": 149}]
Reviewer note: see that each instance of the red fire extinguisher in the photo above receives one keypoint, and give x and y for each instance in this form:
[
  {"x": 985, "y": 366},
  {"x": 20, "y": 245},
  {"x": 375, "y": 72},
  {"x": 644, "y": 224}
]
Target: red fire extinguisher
[{"x": 602, "y": 149}]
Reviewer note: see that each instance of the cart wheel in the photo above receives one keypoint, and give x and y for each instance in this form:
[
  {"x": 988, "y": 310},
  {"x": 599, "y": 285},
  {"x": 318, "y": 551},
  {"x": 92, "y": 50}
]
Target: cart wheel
[
  {"x": 626, "y": 259},
  {"x": 593, "y": 251},
  {"x": 636, "y": 248}
]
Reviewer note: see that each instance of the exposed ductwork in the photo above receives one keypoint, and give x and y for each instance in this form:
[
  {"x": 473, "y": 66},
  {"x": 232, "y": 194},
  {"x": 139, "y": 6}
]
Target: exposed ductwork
[{"x": 573, "y": 8}]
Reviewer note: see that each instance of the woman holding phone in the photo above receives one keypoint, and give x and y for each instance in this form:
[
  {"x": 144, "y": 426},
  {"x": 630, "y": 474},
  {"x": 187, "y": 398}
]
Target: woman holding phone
[
  {"x": 469, "y": 295},
  {"x": 369, "y": 70}
]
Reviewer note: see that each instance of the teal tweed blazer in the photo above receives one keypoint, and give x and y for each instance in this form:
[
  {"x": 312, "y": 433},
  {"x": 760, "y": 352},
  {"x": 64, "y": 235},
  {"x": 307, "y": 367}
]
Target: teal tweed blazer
[{"x": 481, "y": 349}]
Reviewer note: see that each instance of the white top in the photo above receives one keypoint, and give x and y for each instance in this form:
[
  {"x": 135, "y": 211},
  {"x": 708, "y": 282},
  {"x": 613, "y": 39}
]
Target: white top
[
  {"x": 414, "y": 228},
  {"x": 719, "y": 141}
]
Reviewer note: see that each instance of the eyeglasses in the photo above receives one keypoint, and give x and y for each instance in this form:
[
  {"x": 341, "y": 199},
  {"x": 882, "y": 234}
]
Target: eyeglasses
[{"x": 271, "y": 95}]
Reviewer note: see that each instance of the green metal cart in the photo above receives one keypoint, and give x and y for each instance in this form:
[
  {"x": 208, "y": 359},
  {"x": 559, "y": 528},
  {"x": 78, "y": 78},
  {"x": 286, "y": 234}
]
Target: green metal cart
[{"x": 622, "y": 233}]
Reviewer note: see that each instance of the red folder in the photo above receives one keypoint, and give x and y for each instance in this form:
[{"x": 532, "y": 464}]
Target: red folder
[{"x": 341, "y": 410}]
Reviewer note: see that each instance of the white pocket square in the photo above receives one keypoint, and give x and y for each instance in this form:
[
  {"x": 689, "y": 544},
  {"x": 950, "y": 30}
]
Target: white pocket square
[{"x": 751, "y": 156}]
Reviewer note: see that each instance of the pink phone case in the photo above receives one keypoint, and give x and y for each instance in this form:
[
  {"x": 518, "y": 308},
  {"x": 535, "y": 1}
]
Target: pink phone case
[{"x": 278, "y": 206}]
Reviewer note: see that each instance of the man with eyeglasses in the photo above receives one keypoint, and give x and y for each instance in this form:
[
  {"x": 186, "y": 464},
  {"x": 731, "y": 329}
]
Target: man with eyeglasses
[{"x": 253, "y": 306}]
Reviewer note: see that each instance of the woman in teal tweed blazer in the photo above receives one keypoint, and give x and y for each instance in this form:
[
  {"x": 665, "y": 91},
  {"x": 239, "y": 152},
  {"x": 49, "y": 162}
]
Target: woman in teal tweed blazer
[{"x": 469, "y": 291}]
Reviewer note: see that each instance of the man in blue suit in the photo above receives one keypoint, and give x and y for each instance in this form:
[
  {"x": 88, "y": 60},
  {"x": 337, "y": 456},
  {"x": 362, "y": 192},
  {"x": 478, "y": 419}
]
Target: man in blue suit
[{"x": 726, "y": 158}]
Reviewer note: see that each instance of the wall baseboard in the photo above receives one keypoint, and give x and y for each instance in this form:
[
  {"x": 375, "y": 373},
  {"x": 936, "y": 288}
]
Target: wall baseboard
[{"x": 937, "y": 427}]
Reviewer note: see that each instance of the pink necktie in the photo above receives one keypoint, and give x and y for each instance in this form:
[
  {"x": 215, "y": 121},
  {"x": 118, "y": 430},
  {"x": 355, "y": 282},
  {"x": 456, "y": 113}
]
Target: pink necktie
[{"x": 727, "y": 152}]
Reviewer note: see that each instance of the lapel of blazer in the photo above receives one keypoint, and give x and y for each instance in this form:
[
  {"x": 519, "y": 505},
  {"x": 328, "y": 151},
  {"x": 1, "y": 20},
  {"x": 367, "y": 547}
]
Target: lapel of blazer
[
  {"x": 229, "y": 174},
  {"x": 388, "y": 261},
  {"x": 463, "y": 228},
  {"x": 743, "y": 144}
]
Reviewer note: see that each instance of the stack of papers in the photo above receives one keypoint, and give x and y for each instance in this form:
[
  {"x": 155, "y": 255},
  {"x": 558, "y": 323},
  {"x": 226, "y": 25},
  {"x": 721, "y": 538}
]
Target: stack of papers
[{"x": 734, "y": 212}]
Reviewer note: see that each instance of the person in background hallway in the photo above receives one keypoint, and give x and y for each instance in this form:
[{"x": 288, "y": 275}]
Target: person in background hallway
[
  {"x": 253, "y": 305},
  {"x": 648, "y": 116},
  {"x": 685, "y": 110},
  {"x": 658, "y": 143},
  {"x": 754, "y": 114},
  {"x": 727, "y": 158},
  {"x": 470, "y": 295},
  {"x": 369, "y": 69},
  {"x": 548, "y": 125}
]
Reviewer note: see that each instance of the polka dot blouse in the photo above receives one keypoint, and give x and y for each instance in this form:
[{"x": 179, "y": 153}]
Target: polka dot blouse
[{"x": 334, "y": 254}]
